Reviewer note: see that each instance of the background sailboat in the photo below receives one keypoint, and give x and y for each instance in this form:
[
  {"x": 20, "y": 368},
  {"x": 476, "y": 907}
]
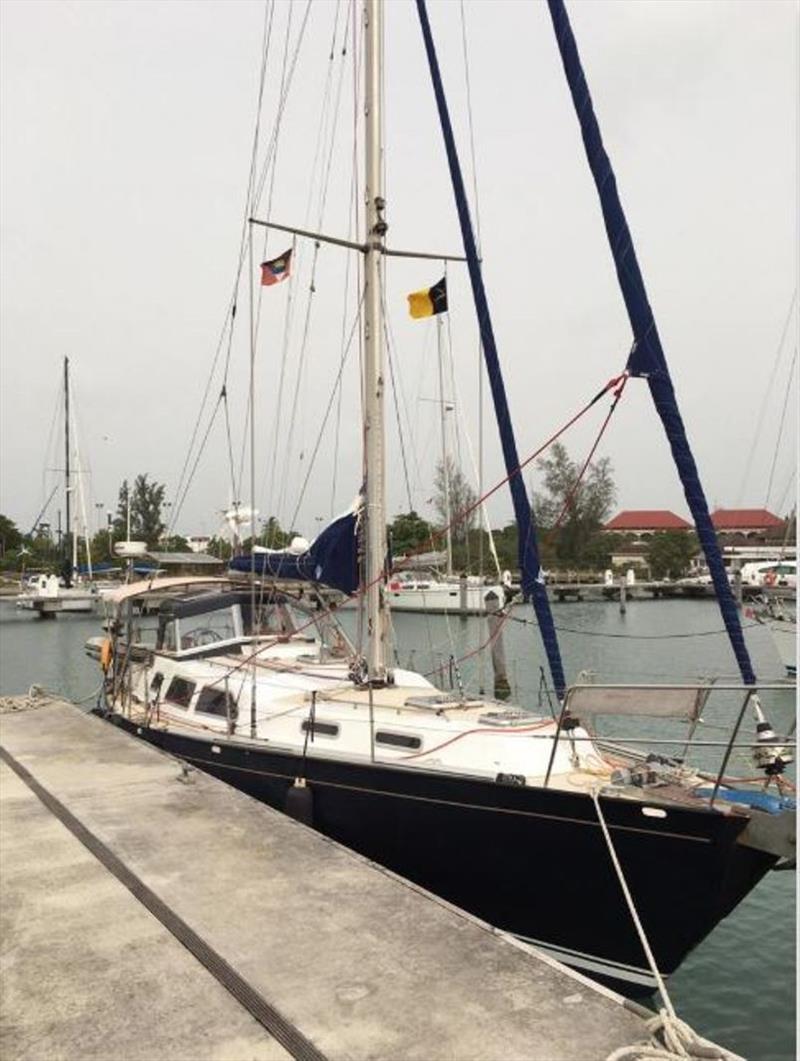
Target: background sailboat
[{"x": 50, "y": 594}]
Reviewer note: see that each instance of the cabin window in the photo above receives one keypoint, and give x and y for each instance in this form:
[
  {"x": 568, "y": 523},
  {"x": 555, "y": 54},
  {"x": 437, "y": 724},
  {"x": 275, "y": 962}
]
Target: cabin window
[
  {"x": 320, "y": 729},
  {"x": 214, "y": 701},
  {"x": 207, "y": 628},
  {"x": 180, "y": 692},
  {"x": 398, "y": 740}
]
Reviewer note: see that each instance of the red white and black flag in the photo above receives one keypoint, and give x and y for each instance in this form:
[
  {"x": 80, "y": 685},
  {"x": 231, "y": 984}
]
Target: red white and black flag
[{"x": 277, "y": 269}]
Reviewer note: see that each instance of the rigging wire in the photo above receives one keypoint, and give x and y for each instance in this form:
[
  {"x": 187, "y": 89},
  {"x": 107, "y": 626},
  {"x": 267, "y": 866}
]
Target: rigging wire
[
  {"x": 767, "y": 392},
  {"x": 282, "y": 498},
  {"x": 483, "y": 511},
  {"x": 780, "y": 428},
  {"x": 270, "y": 166},
  {"x": 287, "y": 323},
  {"x": 50, "y": 448},
  {"x": 570, "y": 498},
  {"x": 231, "y": 309},
  {"x": 478, "y": 243},
  {"x": 321, "y": 169},
  {"x": 408, "y": 438},
  {"x": 361, "y": 592},
  {"x": 536, "y": 453},
  {"x": 391, "y": 360},
  {"x": 791, "y": 481},
  {"x": 336, "y": 386},
  {"x": 352, "y": 212},
  {"x": 179, "y": 502},
  {"x": 326, "y": 170}
]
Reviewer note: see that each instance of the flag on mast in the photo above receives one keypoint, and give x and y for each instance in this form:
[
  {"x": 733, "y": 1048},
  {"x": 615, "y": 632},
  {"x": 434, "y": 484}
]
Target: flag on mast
[
  {"x": 429, "y": 302},
  {"x": 272, "y": 272}
]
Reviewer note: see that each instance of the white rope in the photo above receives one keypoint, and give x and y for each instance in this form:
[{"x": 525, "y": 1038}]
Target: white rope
[{"x": 669, "y": 1036}]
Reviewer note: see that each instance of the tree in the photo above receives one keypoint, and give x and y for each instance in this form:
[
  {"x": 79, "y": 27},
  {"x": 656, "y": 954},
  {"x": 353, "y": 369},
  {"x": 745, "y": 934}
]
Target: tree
[
  {"x": 462, "y": 497},
  {"x": 274, "y": 536},
  {"x": 220, "y": 548},
  {"x": 174, "y": 544},
  {"x": 587, "y": 505},
  {"x": 408, "y": 532},
  {"x": 506, "y": 542},
  {"x": 146, "y": 500},
  {"x": 10, "y": 535},
  {"x": 101, "y": 548},
  {"x": 670, "y": 553}
]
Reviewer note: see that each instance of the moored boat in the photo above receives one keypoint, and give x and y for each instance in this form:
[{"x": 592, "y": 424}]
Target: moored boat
[{"x": 500, "y": 809}]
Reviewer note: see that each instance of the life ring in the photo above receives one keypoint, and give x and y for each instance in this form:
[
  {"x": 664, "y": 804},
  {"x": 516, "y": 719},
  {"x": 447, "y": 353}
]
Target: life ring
[
  {"x": 770, "y": 578},
  {"x": 106, "y": 654}
]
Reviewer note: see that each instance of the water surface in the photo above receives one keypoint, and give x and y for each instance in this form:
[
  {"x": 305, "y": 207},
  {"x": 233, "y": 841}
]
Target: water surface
[{"x": 738, "y": 986}]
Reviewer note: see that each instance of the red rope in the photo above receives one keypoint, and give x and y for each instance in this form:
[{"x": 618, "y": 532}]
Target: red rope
[
  {"x": 490, "y": 640},
  {"x": 617, "y": 384},
  {"x": 621, "y": 381},
  {"x": 617, "y": 381}
]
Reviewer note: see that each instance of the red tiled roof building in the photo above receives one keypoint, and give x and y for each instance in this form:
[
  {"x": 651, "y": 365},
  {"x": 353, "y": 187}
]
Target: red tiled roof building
[
  {"x": 646, "y": 521},
  {"x": 744, "y": 520}
]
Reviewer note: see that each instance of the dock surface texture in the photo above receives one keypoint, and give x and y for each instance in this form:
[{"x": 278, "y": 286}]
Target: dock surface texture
[{"x": 226, "y": 908}]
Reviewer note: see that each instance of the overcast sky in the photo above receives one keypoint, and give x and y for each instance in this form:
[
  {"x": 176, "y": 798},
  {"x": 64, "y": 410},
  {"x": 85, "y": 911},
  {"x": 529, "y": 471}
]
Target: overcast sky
[{"x": 126, "y": 144}]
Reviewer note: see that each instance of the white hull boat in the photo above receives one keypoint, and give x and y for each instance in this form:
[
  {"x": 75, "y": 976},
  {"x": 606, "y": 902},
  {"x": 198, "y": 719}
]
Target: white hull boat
[
  {"x": 443, "y": 596},
  {"x": 47, "y": 597}
]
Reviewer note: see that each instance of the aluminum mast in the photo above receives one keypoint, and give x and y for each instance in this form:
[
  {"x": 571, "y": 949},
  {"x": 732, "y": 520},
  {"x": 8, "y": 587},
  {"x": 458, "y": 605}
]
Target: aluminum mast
[
  {"x": 443, "y": 409},
  {"x": 373, "y": 348},
  {"x": 67, "y": 485}
]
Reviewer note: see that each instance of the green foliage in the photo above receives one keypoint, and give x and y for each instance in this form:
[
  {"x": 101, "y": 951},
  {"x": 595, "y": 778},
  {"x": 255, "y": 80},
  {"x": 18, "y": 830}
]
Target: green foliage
[
  {"x": 101, "y": 546},
  {"x": 10, "y": 535},
  {"x": 220, "y": 548},
  {"x": 448, "y": 477},
  {"x": 506, "y": 542},
  {"x": 597, "y": 552},
  {"x": 274, "y": 536},
  {"x": 669, "y": 554},
  {"x": 175, "y": 544},
  {"x": 588, "y": 504},
  {"x": 409, "y": 532},
  {"x": 146, "y": 500}
]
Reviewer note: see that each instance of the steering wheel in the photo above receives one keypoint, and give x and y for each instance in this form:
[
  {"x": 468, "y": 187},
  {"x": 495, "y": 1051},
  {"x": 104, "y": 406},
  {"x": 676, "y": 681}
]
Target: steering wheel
[{"x": 204, "y": 635}]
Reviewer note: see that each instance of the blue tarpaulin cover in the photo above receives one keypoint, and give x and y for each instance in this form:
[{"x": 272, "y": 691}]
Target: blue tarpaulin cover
[{"x": 331, "y": 559}]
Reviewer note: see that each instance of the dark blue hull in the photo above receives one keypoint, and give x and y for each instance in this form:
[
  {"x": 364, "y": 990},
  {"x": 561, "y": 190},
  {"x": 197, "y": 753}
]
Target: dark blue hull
[{"x": 528, "y": 860}]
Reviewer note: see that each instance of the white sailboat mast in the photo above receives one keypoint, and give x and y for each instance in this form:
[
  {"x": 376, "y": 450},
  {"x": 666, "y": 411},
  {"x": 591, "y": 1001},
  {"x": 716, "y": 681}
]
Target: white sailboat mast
[
  {"x": 445, "y": 462},
  {"x": 373, "y": 347},
  {"x": 67, "y": 477}
]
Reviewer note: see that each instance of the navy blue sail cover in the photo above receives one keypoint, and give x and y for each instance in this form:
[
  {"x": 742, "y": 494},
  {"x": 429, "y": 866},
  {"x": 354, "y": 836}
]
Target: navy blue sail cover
[
  {"x": 647, "y": 358},
  {"x": 533, "y": 584},
  {"x": 331, "y": 559}
]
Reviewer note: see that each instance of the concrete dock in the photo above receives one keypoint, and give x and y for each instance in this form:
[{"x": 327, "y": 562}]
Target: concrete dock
[{"x": 149, "y": 914}]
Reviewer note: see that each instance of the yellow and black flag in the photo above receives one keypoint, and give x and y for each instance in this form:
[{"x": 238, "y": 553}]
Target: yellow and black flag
[{"x": 429, "y": 302}]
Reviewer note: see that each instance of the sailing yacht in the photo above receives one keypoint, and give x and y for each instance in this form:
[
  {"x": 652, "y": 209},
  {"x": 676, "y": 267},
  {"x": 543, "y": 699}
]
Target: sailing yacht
[
  {"x": 499, "y": 809},
  {"x": 49, "y": 595}
]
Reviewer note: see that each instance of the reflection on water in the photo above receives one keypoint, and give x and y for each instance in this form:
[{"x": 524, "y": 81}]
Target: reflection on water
[{"x": 739, "y": 986}]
